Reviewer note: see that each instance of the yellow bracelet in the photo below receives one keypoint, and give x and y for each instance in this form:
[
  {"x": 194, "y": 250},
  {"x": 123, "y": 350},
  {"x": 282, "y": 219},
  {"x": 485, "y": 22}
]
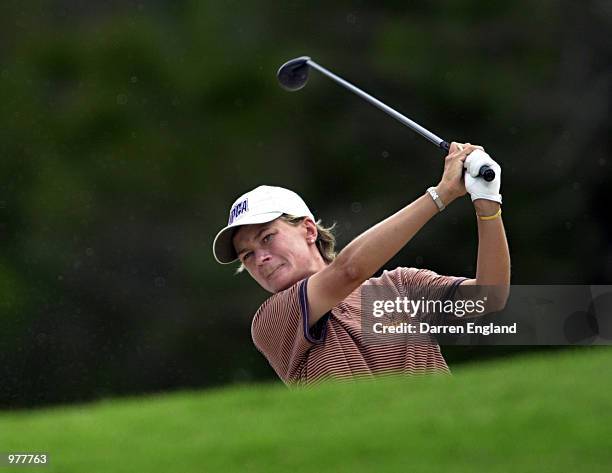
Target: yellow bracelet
[{"x": 491, "y": 217}]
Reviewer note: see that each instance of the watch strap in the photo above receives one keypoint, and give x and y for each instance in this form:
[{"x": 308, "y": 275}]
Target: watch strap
[{"x": 436, "y": 198}]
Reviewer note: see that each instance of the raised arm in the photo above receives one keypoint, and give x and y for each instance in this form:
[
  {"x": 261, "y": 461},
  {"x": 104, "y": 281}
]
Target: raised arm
[
  {"x": 367, "y": 253},
  {"x": 493, "y": 265}
]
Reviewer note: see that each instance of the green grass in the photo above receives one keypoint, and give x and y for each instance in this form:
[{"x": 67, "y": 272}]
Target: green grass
[{"x": 532, "y": 413}]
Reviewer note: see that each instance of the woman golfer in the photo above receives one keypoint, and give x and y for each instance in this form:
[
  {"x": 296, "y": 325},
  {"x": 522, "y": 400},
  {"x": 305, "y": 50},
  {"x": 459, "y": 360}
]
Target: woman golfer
[{"x": 310, "y": 328}]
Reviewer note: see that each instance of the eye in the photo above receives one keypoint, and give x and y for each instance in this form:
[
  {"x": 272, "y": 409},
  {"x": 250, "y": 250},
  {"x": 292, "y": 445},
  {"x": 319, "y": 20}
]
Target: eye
[
  {"x": 267, "y": 238},
  {"x": 246, "y": 256}
]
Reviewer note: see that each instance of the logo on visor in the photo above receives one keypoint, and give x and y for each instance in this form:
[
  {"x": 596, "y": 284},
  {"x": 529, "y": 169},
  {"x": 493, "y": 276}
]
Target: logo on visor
[{"x": 238, "y": 209}]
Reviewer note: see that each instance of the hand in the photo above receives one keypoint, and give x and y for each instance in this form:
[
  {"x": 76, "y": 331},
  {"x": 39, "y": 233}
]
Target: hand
[
  {"x": 477, "y": 186},
  {"x": 451, "y": 185}
]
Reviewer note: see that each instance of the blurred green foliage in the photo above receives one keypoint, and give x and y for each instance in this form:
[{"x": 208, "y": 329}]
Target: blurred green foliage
[{"x": 127, "y": 129}]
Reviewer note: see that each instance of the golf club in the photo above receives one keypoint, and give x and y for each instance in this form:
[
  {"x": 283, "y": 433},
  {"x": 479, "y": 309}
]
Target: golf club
[{"x": 293, "y": 75}]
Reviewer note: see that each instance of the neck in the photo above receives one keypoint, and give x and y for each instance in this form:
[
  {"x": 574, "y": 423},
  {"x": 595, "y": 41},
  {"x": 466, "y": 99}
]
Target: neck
[{"x": 318, "y": 263}]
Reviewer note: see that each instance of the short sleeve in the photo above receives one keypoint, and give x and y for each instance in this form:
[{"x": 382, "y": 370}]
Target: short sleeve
[
  {"x": 428, "y": 284},
  {"x": 280, "y": 331}
]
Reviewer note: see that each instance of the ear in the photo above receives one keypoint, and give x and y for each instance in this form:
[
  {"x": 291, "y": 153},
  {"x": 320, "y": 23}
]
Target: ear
[{"x": 311, "y": 230}]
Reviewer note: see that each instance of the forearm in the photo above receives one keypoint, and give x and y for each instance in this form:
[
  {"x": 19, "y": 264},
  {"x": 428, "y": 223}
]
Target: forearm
[
  {"x": 374, "y": 247},
  {"x": 493, "y": 265}
]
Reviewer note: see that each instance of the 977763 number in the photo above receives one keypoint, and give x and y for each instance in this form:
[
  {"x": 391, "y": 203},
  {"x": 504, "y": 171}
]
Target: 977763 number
[{"x": 25, "y": 459}]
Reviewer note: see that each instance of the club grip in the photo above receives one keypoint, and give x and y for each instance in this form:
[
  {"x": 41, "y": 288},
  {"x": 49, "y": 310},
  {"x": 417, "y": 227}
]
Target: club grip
[{"x": 485, "y": 171}]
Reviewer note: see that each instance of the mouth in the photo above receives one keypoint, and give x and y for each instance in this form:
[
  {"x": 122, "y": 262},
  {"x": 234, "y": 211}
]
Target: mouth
[{"x": 269, "y": 275}]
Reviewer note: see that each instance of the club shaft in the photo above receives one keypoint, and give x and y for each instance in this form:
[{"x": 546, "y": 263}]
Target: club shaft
[{"x": 377, "y": 103}]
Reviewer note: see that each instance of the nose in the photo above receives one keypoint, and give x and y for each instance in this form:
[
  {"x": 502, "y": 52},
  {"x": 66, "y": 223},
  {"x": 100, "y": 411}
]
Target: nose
[{"x": 261, "y": 256}]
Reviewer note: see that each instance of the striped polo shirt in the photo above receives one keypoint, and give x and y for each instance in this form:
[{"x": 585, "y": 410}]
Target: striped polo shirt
[{"x": 334, "y": 347}]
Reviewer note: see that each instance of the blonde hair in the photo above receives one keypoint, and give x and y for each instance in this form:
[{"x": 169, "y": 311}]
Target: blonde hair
[{"x": 326, "y": 240}]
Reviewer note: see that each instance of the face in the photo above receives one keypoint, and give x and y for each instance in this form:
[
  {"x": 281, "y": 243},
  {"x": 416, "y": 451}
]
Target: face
[{"x": 277, "y": 254}]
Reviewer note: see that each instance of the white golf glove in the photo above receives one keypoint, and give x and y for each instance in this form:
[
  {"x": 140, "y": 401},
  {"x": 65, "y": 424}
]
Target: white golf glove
[{"x": 476, "y": 186}]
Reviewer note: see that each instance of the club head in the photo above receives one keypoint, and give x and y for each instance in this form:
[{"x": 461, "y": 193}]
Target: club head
[{"x": 293, "y": 75}]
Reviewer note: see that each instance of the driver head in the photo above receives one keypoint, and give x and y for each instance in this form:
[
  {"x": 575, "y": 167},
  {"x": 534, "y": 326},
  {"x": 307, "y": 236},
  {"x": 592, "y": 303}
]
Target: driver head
[{"x": 293, "y": 75}]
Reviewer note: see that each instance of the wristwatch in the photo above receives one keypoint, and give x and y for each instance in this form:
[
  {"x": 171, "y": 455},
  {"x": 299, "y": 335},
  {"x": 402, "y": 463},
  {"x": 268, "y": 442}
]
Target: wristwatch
[{"x": 436, "y": 198}]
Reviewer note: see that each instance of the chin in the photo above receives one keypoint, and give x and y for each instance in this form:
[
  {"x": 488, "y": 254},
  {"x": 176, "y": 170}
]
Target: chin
[
  {"x": 284, "y": 282},
  {"x": 282, "y": 285}
]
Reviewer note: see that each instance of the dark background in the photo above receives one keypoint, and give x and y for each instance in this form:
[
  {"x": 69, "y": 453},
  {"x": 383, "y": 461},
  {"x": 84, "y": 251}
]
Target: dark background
[{"x": 127, "y": 129}]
